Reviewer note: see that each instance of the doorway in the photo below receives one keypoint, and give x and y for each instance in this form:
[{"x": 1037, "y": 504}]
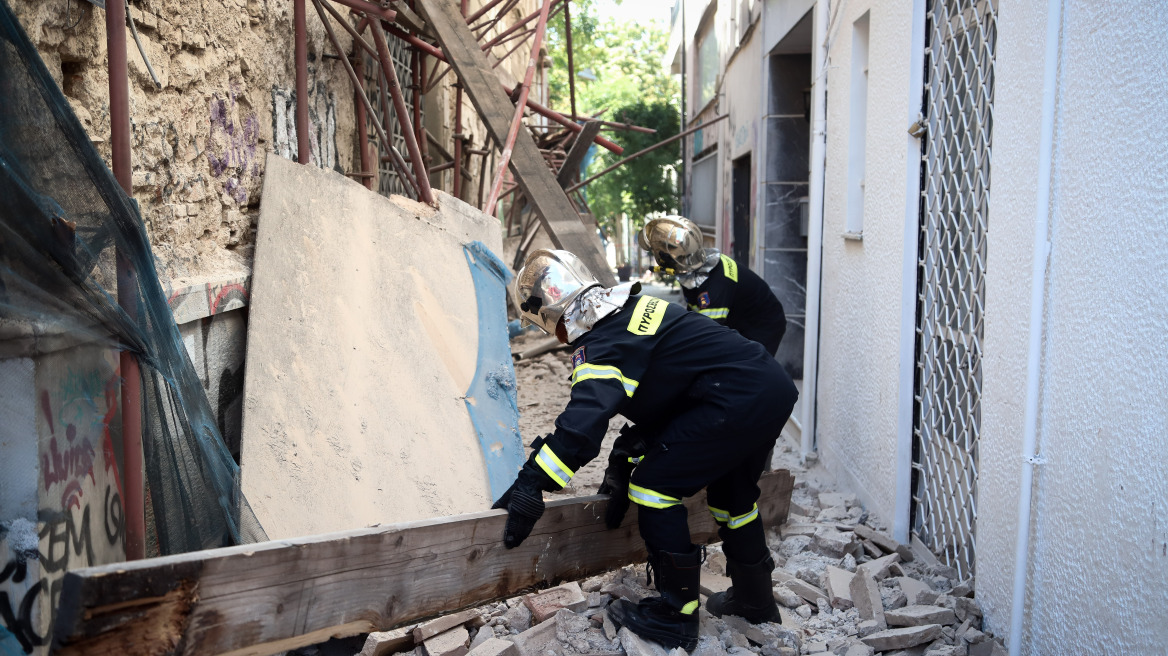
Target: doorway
[{"x": 741, "y": 190}]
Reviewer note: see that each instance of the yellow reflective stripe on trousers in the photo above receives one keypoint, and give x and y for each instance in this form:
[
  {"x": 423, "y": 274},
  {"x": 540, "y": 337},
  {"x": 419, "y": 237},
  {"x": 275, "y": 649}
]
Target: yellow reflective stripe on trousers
[
  {"x": 598, "y": 371},
  {"x": 720, "y": 516},
  {"x": 689, "y": 608},
  {"x": 553, "y": 466},
  {"x": 635, "y": 461},
  {"x": 743, "y": 520},
  {"x": 715, "y": 313},
  {"x": 646, "y": 497}
]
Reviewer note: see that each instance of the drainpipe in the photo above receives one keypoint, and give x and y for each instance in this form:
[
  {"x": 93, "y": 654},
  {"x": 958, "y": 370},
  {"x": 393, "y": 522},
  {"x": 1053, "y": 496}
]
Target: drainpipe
[
  {"x": 815, "y": 228},
  {"x": 300, "y": 50},
  {"x": 1040, "y": 260}
]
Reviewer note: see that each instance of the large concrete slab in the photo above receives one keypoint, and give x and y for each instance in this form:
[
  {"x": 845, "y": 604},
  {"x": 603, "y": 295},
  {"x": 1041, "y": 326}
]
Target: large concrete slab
[{"x": 362, "y": 342}]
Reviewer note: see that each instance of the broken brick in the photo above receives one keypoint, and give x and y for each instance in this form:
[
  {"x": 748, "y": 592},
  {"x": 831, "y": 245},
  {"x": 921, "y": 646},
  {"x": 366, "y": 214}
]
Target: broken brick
[{"x": 545, "y": 604}]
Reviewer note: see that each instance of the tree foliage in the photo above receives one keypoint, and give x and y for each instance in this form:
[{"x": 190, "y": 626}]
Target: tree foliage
[{"x": 618, "y": 69}]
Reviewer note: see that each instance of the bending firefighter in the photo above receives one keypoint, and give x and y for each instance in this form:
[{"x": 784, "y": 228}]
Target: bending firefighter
[
  {"x": 713, "y": 284},
  {"x": 707, "y": 404}
]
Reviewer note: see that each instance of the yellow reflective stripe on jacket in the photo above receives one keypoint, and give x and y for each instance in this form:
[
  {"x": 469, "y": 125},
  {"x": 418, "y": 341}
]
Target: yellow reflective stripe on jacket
[
  {"x": 647, "y": 497},
  {"x": 730, "y": 268},
  {"x": 720, "y": 516},
  {"x": 715, "y": 313},
  {"x": 553, "y": 466},
  {"x": 689, "y": 608},
  {"x": 647, "y": 316},
  {"x": 597, "y": 371},
  {"x": 743, "y": 520}
]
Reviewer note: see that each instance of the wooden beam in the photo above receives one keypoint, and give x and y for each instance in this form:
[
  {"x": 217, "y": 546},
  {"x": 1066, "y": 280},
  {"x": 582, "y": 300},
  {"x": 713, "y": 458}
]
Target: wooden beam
[
  {"x": 265, "y": 598},
  {"x": 571, "y": 166},
  {"x": 555, "y": 210}
]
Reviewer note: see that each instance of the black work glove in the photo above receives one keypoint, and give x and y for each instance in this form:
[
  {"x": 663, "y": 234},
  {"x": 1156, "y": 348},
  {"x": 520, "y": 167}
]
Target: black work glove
[
  {"x": 523, "y": 501},
  {"x": 628, "y": 445}
]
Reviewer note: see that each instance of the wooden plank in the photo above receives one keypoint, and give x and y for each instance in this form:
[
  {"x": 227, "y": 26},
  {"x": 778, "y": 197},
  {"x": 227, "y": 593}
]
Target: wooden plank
[
  {"x": 551, "y": 204},
  {"x": 265, "y": 598},
  {"x": 571, "y": 166}
]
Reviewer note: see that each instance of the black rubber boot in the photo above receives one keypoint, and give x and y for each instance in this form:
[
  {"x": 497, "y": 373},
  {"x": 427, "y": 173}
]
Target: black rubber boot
[
  {"x": 671, "y": 619},
  {"x": 751, "y": 596}
]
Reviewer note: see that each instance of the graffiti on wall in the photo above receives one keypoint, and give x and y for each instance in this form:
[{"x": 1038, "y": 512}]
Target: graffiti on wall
[
  {"x": 231, "y": 149},
  {"x": 322, "y": 124},
  {"x": 80, "y": 520}
]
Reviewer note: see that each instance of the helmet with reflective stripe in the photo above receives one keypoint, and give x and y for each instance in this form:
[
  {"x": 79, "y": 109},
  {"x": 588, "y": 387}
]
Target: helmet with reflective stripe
[
  {"x": 547, "y": 284},
  {"x": 675, "y": 241}
]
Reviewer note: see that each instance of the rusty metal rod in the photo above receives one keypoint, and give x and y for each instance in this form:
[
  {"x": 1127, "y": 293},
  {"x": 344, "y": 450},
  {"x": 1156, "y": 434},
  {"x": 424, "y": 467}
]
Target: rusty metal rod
[
  {"x": 483, "y": 170},
  {"x": 361, "y": 107},
  {"x": 637, "y": 154},
  {"x": 516, "y": 26},
  {"x": 133, "y": 483},
  {"x": 353, "y": 32},
  {"x": 369, "y": 8},
  {"x": 520, "y": 106},
  {"x": 300, "y": 21},
  {"x": 485, "y": 27},
  {"x": 571, "y": 65},
  {"x": 417, "y": 70},
  {"x": 482, "y": 10},
  {"x": 426, "y": 195},
  {"x": 513, "y": 49}
]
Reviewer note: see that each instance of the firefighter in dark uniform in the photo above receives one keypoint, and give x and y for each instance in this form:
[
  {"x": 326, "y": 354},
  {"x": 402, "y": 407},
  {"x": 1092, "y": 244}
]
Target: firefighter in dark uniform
[
  {"x": 708, "y": 405},
  {"x": 713, "y": 284}
]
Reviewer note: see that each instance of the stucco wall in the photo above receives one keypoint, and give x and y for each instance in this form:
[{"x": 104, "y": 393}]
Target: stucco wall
[
  {"x": 860, "y": 315},
  {"x": 1099, "y": 557}
]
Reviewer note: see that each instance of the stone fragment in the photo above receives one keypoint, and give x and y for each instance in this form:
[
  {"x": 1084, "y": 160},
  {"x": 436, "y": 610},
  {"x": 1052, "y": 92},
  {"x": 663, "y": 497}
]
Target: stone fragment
[
  {"x": 481, "y": 636},
  {"x": 878, "y": 568},
  {"x": 716, "y": 562},
  {"x": 432, "y": 628},
  {"x": 920, "y": 616},
  {"x": 731, "y": 640},
  {"x": 892, "y": 598},
  {"x": 802, "y": 508},
  {"x": 987, "y": 648},
  {"x": 833, "y": 543},
  {"x": 770, "y": 650},
  {"x": 945, "y": 650},
  {"x": 804, "y": 611},
  {"x": 796, "y": 529},
  {"x": 380, "y": 643},
  {"x": 829, "y": 499},
  {"x": 609, "y": 627},
  {"x": 448, "y": 643},
  {"x": 967, "y": 609},
  {"x": 592, "y": 585},
  {"x": 781, "y": 575},
  {"x": 518, "y": 618},
  {"x": 805, "y": 590},
  {"x": 848, "y": 562},
  {"x": 838, "y": 584},
  {"x": 545, "y": 604},
  {"x": 786, "y": 596},
  {"x": 912, "y": 589},
  {"x": 896, "y": 570},
  {"x": 534, "y": 641},
  {"x": 493, "y": 647},
  {"x": 871, "y": 549},
  {"x": 596, "y": 599},
  {"x": 903, "y": 638},
  {"x": 856, "y": 649},
  {"x": 884, "y": 542},
  {"x": 636, "y": 646},
  {"x": 569, "y": 623},
  {"x": 815, "y": 647},
  {"x": 963, "y": 589},
  {"x": 973, "y": 636},
  {"x": 620, "y": 590},
  {"x": 750, "y": 631},
  {"x": 711, "y": 583},
  {"x": 709, "y": 646},
  {"x": 867, "y": 628},
  {"x": 866, "y": 598}
]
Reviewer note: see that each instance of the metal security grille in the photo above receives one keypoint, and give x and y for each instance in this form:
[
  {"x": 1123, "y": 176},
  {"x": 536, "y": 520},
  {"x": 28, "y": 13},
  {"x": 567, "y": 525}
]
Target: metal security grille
[
  {"x": 958, "y": 118},
  {"x": 388, "y": 180}
]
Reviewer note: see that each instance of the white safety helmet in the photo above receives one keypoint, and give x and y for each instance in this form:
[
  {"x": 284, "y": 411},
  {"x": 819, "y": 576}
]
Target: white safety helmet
[
  {"x": 675, "y": 242},
  {"x": 547, "y": 284}
]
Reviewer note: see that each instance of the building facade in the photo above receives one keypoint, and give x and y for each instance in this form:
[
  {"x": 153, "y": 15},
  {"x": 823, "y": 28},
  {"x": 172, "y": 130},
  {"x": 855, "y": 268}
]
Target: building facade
[{"x": 985, "y": 280}]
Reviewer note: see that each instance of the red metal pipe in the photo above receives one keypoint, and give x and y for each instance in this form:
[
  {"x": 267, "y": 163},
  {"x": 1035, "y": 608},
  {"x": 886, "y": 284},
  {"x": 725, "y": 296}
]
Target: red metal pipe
[
  {"x": 486, "y": 27},
  {"x": 458, "y": 142},
  {"x": 369, "y": 8},
  {"x": 362, "y": 120},
  {"x": 513, "y": 48},
  {"x": 119, "y": 92},
  {"x": 520, "y": 106},
  {"x": 355, "y": 33},
  {"x": 518, "y": 25},
  {"x": 478, "y": 14},
  {"x": 425, "y": 194},
  {"x": 417, "y": 70},
  {"x": 300, "y": 22},
  {"x": 571, "y": 65}
]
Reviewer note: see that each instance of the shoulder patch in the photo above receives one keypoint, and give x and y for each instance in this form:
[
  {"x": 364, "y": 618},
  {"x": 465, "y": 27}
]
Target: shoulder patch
[
  {"x": 647, "y": 316},
  {"x": 704, "y": 300},
  {"x": 730, "y": 268},
  {"x": 578, "y": 357}
]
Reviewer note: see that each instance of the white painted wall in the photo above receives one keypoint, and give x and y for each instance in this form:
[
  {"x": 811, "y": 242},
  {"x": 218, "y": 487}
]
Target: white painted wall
[
  {"x": 860, "y": 324},
  {"x": 1099, "y": 535}
]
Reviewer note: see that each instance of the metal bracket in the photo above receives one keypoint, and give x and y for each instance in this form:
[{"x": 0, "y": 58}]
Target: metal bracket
[{"x": 1036, "y": 459}]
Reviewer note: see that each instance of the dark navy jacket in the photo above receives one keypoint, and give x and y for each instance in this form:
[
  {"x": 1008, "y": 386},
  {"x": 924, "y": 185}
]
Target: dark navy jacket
[
  {"x": 738, "y": 298},
  {"x": 648, "y": 361}
]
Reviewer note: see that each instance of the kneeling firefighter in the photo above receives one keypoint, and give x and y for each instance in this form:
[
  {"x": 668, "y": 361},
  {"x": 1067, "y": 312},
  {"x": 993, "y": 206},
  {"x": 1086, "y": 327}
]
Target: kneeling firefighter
[
  {"x": 713, "y": 284},
  {"x": 707, "y": 404}
]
